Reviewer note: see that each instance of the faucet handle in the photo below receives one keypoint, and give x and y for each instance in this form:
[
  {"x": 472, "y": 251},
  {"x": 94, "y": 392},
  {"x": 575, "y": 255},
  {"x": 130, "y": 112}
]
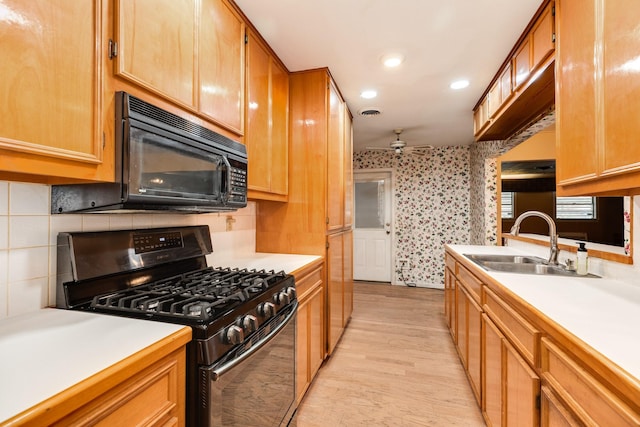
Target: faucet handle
[{"x": 570, "y": 264}]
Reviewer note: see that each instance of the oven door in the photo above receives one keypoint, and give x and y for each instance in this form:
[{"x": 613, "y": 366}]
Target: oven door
[{"x": 255, "y": 385}]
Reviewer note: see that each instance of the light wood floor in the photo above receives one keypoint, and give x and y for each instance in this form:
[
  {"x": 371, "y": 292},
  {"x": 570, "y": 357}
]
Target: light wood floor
[{"x": 394, "y": 366}]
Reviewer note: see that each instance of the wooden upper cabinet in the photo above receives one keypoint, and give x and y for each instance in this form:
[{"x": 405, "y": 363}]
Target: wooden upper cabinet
[
  {"x": 51, "y": 92},
  {"x": 348, "y": 169},
  {"x": 575, "y": 93},
  {"x": 522, "y": 64},
  {"x": 542, "y": 37},
  {"x": 221, "y": 56},
  {"x": 598, "y": 91},
  {"x": 621, "y": 87},
  {"x": 266, "y": 133},
  {"x": 335, "y": 160},
  {"x": 523, "y": 87},
  {"x": 157, "y": 41}
]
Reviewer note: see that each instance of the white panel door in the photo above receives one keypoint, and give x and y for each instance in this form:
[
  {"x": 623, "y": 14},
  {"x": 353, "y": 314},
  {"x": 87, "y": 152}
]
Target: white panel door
[{"x": 372, "y": 232}]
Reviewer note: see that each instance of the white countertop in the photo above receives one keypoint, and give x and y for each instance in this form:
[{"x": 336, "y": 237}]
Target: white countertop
[
  {"x": 603, "y": 313},
  {"x": 262, "y": 261},
  {"x": 45, "y": 352}
]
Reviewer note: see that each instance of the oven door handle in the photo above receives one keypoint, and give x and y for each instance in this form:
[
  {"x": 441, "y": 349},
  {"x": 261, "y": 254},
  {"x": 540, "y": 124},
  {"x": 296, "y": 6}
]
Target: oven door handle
[{"x": 218, "y": 372}]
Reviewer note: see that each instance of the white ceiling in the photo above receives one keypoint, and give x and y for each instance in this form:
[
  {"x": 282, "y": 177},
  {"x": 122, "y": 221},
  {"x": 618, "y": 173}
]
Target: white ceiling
[{"x": 442, "y": 41}]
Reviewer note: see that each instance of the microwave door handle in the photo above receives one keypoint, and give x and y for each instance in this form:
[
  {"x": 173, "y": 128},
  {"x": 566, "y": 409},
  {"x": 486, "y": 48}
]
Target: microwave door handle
[{"x": 227, "y": 193}]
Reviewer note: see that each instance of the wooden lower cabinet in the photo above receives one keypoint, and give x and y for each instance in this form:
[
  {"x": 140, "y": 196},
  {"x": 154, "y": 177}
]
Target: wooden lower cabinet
[
  {"x": 511, "y": 387},
  {"x": 153, "y": 397},
  {"x": 468, "y": 335},
  {"x": 148, "y": 388},
  {"x": 532, "y": 371},
  {"x": 553, "y": 413},
  {"x": 310, "y": 336}
]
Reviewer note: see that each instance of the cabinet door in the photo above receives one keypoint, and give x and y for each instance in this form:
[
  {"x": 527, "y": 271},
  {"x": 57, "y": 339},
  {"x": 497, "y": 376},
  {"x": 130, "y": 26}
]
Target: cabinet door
[
  {"x": 51, "y": 91},
  {"x": 474, "y": 347},
  {"x": 279, "y": 98},
  {"x": 347, "y": 242},
  {"x": 575, "y": 92},
  {"x": 157, "y": 40},
  {"x": 495, "y": 98},
  {"x": 258, "y": 135},
  {"x": 266, "y": 134},
  {"x": 303, "y": 337},
  {"x": 506, "y": 84},
  {"x": 462, "y": 328},
  {"x": 221, "y": 64},
  {"x": 335, "y": 161},
  {"x": 493, "y": 357},
  {"x": 348, "y": 169},
  {"x": 553, "y": 413},
  {"x": 316, "y": 331},
  {"x": 522, "y": 64},
  {"x": 621, "y": 87},
  {"x": 542, "y": 37},
  {"x": 449, "y": 298},
  {"x": 334, "y": 290},
  {"x": 522, "y": 390}
]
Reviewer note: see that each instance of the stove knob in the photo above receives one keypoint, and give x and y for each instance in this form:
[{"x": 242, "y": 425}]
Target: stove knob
[
  {"x": 267, "y": 309},
  {"x": 249, "y": 323},
  {"x": 291, "y": 291},
  {"x": 281, "y": 298},
  {"x": 233, "y": 335}
]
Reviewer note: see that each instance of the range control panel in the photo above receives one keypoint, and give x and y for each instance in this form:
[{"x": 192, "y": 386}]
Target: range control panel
[{"x": 150, "y": 242}]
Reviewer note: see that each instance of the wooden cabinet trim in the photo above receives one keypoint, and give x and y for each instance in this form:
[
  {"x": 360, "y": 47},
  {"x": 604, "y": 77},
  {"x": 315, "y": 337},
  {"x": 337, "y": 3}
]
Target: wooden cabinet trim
[
  {"x": 470, "y": 282},
  {"x": 571, "y": 381},
  {"x": 520, "y": 332}
]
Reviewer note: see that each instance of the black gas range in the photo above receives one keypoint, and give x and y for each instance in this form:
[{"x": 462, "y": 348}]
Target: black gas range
[{"x": 243, "y": 321}]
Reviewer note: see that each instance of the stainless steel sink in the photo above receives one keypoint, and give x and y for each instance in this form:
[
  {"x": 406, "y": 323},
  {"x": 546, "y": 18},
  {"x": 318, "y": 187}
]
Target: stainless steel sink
[
  {"x": 513, "y": 259},
  {"x": 522, "y": 265}
]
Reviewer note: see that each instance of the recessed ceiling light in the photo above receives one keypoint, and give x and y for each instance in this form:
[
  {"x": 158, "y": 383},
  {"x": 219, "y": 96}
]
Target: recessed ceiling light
[
  {"x": 459, "y": 84},
  {"x": 392, "y": 60},
  {"x": 368, "y": 94}
]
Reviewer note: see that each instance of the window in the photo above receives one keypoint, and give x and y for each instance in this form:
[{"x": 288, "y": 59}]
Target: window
[
  {"x": 576, "y": 207},
  {"x": 506, "y": 204}
]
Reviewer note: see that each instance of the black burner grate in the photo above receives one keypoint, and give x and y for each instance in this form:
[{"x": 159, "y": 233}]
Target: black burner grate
[{"x": 202, "y": 295}]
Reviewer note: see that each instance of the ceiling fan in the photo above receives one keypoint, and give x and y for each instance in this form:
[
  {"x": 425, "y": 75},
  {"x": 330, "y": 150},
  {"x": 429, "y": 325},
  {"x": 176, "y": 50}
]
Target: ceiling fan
[{"x": 400, "y": 147}]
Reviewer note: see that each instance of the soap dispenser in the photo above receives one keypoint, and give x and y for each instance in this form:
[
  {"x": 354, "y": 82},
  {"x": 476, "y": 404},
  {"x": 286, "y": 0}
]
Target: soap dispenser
[{"x": 582, "y": 261}]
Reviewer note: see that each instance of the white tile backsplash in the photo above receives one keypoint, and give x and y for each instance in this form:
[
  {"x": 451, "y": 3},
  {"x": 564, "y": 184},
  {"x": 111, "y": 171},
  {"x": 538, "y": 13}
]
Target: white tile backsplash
[
  {"x": 4, "y": 263},
  {"x": 28, "y": 263},
  {"x": 28, "y": 239},
  {"x": 4, "y": 232},
  {"x": 28, "y": 295},
  {"x": 28, "y": 231},
  {"x": 28, "y": 199},
  {"x": 4, "y": 198}
]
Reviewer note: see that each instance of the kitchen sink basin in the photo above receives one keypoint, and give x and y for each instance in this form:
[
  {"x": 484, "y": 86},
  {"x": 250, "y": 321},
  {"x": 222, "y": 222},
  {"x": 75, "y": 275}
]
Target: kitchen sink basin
[
  {"x": 511, "y": 259},
  {"x": 522, "y": 264}
]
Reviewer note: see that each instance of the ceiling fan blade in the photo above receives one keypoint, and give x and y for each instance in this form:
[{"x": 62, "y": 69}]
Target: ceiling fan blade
[
  {"x": 420, "y": 147},
  {"x": 379, "y": 148}
]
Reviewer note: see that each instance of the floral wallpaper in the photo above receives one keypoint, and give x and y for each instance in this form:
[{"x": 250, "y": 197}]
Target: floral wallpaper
[{"x": 431, "y": 204}]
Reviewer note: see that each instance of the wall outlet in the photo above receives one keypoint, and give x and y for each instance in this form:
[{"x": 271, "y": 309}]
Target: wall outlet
[{"x": 403, "y": 263}]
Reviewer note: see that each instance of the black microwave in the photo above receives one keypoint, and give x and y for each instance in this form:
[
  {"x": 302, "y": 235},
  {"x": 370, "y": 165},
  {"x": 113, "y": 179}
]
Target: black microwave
[{"x": 163, "y": 163}]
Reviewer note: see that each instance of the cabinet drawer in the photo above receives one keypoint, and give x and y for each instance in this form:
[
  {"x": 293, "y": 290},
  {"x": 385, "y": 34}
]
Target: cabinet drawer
[
  {"x": 306, "y": 283},
  {"x": 470, "y": 282},
  {"x": 520, "y": 332},
  {"x": 450, "y": 262},
  {"x": 585, "y": 395}
]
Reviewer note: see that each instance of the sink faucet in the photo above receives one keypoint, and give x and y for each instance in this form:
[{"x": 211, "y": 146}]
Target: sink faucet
[{"x": 553, "y": 236}]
